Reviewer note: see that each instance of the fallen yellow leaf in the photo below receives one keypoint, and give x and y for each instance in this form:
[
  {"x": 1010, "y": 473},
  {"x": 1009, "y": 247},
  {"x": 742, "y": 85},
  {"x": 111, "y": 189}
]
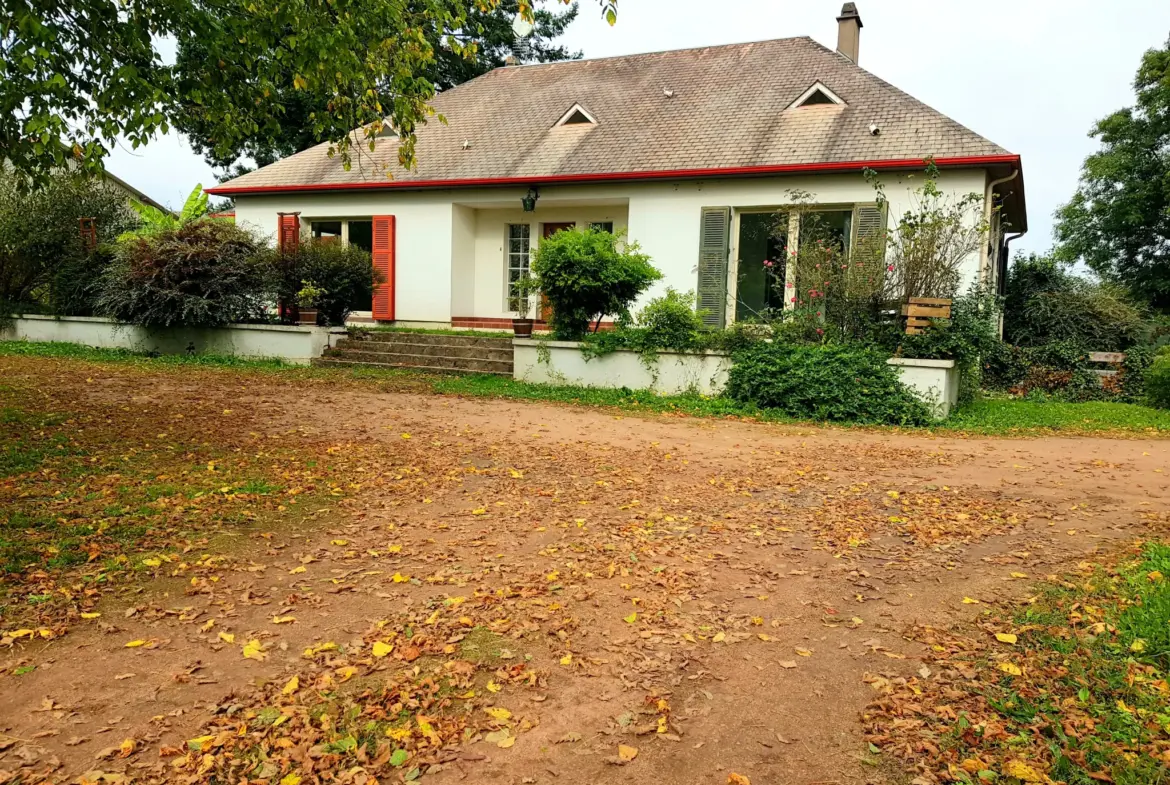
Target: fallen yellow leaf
[
  {"x": 633, "y": 617},
  {"x": 969, "y": 601},
  {"x": 626, "y": 752},
  {"x": 1022, "y": 771},
  {"x": 90, "y": 615},
  {"x": 1010, "y": 668},
  {"x": 1005, "y": 637},
  {"x": 382, "y": 649},
  {"x": 498, "y": 713},
  {"x": 227, "y": 637},
  {"x": 292, "y": 686},
  {"x": 135, "y": 644},
  {"x": 283, "y": 619},
  {"x": 254, "y": 650},
  {"x": 297, "y": 570}
]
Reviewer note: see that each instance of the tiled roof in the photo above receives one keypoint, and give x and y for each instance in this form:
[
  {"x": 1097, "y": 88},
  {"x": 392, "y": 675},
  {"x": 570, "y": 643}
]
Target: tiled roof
[{"x": 728, "y": 110}]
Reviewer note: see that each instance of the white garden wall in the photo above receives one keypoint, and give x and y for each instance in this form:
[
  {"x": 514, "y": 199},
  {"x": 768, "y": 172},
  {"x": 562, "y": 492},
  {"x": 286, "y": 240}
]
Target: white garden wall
[
  {"x": 934, "y": 381},
  {"x": 672, "y": 373},
  {"x": 294, "y": 344}
]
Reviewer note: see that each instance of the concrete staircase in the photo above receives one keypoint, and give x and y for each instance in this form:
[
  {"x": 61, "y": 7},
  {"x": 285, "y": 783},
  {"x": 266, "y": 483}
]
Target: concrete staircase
[{"x": 424, "y": 352}]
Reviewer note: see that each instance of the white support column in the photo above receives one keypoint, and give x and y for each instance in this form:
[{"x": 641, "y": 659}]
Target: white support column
[{"x": 790, "y": 282}]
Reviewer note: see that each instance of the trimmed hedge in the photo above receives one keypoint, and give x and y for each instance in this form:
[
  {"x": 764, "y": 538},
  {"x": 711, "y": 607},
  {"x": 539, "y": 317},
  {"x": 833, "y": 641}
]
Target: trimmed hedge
[{"x": 839, "y": 383}]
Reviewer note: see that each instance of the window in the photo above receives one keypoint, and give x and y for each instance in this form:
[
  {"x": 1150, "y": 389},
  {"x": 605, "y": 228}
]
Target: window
[
  {"x": 817, "y": 95},
  {"x": 517, "y": 250},
  {"x": 326, "y": 231},
  {"x": 602, "y": 226},
  {"x": 577, "y": 115},
  {"x": 361, "y": 234}
]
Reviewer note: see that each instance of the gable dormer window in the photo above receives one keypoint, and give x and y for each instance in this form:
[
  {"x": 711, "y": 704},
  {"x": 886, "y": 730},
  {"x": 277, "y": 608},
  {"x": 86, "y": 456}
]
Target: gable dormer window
[
  {"x": 817, "y": 95},
  {"x": 577, "y": 115}
]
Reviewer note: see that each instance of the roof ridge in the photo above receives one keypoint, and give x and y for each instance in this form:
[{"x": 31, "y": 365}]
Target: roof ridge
[{"x": 645, "y": 54}]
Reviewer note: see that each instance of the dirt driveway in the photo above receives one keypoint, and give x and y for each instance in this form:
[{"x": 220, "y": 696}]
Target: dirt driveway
[{"x": 556, "y": 595}]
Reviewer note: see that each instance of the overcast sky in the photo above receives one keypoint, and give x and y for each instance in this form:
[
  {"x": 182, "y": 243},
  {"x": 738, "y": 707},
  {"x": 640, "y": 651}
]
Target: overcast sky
[{"x": 1031, "y": 75}]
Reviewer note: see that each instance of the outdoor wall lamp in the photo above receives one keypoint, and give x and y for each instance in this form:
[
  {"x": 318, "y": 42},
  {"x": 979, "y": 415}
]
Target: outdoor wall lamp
[{"x": 529, "y": 200}]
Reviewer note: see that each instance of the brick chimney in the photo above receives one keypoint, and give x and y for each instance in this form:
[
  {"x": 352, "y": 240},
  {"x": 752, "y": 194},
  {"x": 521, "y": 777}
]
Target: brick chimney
[{"x": 849, "y": 31}]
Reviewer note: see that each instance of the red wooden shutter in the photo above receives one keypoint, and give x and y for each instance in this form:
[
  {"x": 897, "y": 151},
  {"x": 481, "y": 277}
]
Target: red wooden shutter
[
  {"x": 383, "y": 255},
  {"x": 289, "y": 231}
]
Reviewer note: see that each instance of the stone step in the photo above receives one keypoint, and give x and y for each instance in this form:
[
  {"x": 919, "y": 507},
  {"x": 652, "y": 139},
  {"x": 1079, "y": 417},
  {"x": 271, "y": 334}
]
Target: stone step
[
  {"x": 500, "y": 351},
  {"x": 405, "y": 359},
  {"x": 334, "y": 362},
  {"x": 441, "y": 339}
]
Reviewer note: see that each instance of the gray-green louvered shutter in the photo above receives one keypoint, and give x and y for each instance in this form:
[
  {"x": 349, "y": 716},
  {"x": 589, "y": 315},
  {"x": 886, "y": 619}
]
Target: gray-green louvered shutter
[
  {"x": 714, "y": 231},
  {"x": 869, "y": 223}
]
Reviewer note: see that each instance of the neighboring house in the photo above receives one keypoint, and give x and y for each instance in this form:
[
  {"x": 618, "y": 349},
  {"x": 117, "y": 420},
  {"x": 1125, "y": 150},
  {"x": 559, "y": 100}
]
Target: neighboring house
[
  {"x": 690, "y": 151},
  {"x": 132, "y": 192}
]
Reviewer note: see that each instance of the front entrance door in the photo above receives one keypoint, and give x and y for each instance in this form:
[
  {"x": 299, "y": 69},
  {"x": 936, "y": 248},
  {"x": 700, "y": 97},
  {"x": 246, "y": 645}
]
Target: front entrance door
[
  {"x": 548, "y": 231},
  {"x": 551, "y": 229}
]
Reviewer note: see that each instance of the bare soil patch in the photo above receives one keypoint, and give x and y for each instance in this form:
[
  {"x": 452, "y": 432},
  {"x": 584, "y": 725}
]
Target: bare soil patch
[{"x": 711, "y": 594}]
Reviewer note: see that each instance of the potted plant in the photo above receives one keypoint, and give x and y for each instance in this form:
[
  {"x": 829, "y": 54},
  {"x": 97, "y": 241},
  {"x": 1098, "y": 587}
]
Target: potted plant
[
  {"x": 524, "y": 299},
  {"x": 307, "y": 299}
]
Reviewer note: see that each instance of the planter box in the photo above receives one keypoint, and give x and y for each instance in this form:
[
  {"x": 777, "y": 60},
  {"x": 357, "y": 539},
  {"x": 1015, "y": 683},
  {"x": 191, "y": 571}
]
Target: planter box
[
  {"x": 672, "y": 373},
  {"x": 295, "y": 344},
  {"x": 934, "y": 381}
]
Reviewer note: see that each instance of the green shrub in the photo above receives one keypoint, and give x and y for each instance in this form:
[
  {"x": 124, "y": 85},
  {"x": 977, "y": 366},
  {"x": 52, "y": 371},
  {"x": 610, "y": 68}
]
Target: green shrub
[
  {"x": 671, "y": 322},
  {"x": 846, "y": 383},
  {"x": 1045, "y": 303},
  {"x": 344, "y": 274},
  {"x": 971, "y": 333},
  {"x": 203, "y": 274},
  {"x": 585, "y": 276},
  {"x": 1132, "y": 377},
  {"x": 1158, "y": 382},
  {"x": 43, "y": 261}
]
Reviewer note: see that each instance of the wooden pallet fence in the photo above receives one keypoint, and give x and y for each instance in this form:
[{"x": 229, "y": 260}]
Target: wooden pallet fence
[{"x": 919, "y": 311}]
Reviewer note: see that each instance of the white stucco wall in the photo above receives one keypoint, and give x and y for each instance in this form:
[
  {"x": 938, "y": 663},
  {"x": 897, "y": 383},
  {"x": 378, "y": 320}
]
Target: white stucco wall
[
  {"x": 424, "y": 233},
  {"x": 490, "y": 234},
  {"x": 433, "y": 226}
]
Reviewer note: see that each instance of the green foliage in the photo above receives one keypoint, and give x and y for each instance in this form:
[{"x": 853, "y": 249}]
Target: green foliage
[
  {"x": 667, "y": 323},
  {"x": 155, "y": 220},
  {"x": 74, "y": 77},
  {"x": 837, "y": 383},
  {"x": 1157, "y": 382},
  {"x": 341, "y": 277},
  {"x": 488, "y": 29},
  {"x": 1118, "y": 221},
  {"x": 586, "y": 275},
  {"x": 967, "y": 337},
  {"x": 928, "y": 244},
  {"x": 203, "y": 274},
  {"x": 42, "y": 258},
  {"x": 1045, "y": 302}
]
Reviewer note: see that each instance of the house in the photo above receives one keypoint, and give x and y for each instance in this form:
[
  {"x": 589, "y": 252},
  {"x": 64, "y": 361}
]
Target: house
[{"x": 690, "y": 152}]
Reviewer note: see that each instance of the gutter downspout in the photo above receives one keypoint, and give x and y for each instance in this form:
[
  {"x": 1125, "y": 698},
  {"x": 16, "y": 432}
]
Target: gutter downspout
[{"x": 988, "y": 196}]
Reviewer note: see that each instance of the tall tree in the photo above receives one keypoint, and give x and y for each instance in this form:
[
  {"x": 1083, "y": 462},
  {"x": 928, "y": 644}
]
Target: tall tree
[
  {"x": 86, "y": 72},
  {"x": 478, "y": 43},
  {"x": 1118, "y": 221}
]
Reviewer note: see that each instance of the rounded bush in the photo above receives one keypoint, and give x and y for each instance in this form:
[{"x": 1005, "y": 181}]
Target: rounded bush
[
  {"x": 204, "y": 274},
  {"x": 845, "y": 383}
]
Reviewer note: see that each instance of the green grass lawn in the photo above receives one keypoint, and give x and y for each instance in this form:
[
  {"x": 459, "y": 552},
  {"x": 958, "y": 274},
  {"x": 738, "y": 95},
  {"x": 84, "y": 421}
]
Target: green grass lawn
[
  {"x": 992, "y": 416},
  {"x": 1000, "y": 416}
]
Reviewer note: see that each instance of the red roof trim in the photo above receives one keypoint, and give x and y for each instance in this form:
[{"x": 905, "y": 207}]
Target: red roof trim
[{"x": 600, "y": 177}]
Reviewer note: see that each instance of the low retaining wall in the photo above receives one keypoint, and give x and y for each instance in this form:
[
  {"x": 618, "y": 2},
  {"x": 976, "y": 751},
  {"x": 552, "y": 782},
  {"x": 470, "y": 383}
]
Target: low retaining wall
[
  {"x": 934, "y": 381},
  {"x": 292, "y": 343},
  {"x": 670, "y": 374}
]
